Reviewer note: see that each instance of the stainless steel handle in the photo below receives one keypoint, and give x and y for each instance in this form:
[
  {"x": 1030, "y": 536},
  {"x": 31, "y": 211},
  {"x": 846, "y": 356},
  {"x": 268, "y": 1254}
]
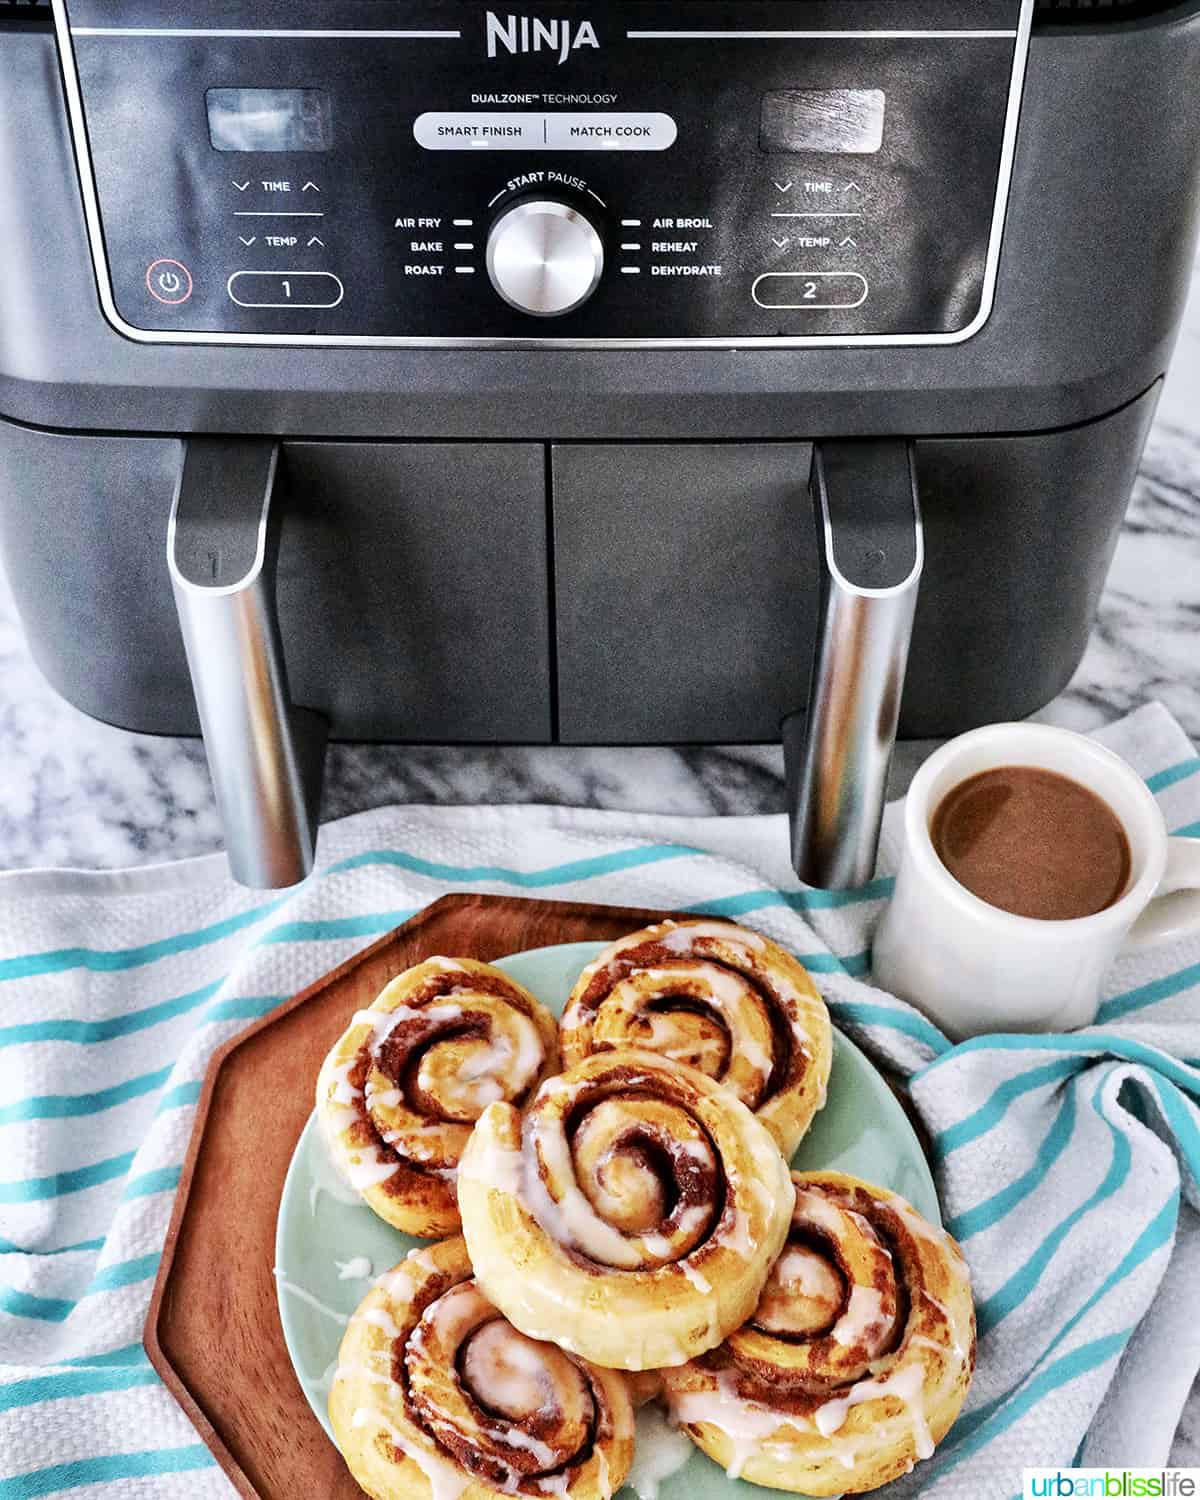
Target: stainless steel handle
[
  {"x": 264, "y": 754},
  {"x": 872, "y": 551}
]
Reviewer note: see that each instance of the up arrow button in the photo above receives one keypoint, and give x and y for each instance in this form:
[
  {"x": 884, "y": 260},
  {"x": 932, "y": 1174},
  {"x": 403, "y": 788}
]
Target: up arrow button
[{"x": 310, "y": 187}]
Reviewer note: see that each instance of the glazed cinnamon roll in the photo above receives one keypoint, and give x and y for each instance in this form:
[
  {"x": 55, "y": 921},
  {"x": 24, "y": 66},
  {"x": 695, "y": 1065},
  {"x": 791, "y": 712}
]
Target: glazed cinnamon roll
[
  {"x": 718, "y": 997},
  {"x": 398, "y": 1095},
  {"x": 631, "y": 1214},
  {"x": 857, "y": 1359},
  {"x": 437, "y": 1396}
]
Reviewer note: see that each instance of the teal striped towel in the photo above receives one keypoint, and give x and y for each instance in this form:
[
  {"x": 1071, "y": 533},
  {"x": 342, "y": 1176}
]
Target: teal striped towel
[{"x": 1067, "y": 1165}]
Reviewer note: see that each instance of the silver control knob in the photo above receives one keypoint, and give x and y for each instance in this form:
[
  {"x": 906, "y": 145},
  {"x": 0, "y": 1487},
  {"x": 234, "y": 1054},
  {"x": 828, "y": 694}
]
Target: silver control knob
[{"x": 544, "y": 257}]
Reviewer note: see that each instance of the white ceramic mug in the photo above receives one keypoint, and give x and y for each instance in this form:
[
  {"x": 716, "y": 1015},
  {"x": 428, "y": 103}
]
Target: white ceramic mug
[{"x": 973, "y": 968}]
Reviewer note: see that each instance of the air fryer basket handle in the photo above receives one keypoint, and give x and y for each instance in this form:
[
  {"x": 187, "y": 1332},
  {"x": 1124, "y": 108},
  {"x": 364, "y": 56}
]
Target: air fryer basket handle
[
  {"x": 871, "y": 552},
  {"x": 265, "y": 754}
]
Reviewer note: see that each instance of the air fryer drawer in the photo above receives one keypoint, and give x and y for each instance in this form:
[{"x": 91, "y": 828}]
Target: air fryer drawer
[
  {"x": 684, "y": 588},
  {"x": 412, "y": 582},
  {"x": 414, "y": 575}
]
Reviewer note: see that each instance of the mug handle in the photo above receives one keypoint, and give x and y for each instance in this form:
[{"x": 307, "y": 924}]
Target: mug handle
[{"x": 1174, "y": 910}]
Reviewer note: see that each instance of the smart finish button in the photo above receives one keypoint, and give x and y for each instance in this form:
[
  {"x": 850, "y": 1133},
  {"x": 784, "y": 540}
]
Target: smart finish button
[{"x": 168, "y": 281}]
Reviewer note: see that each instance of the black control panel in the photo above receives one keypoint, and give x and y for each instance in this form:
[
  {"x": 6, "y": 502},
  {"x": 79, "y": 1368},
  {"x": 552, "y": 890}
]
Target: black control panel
[{"x": 652, "y": 171}]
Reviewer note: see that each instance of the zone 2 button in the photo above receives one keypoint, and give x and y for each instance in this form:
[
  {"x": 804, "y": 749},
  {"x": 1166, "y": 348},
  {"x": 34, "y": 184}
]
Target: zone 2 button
[
  {"x": 285, "y": 289},
  {"x": 810, "y": 291}
]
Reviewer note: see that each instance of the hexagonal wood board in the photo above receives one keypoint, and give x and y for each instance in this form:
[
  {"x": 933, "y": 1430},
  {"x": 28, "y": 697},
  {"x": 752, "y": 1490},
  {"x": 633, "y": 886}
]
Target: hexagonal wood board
[{"x": 213, "y": 1330}]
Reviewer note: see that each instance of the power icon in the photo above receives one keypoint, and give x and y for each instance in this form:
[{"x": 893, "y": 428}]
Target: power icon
[{"x": 168, "y": 281}]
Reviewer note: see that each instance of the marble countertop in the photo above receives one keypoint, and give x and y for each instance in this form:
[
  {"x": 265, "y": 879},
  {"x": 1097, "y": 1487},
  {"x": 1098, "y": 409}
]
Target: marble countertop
[{"x": 80, "y": 793}]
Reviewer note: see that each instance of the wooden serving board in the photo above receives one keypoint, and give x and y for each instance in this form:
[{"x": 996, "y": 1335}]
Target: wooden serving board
[{"x": 213, "y": 1330}]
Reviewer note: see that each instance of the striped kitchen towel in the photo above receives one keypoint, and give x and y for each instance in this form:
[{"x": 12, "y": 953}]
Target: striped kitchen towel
[{"x": 1069, "y": 1166}]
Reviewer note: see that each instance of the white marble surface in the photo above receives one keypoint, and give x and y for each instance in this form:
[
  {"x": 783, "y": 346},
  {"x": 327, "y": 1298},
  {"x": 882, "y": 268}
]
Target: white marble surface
[{"x": 79, "y": 793}]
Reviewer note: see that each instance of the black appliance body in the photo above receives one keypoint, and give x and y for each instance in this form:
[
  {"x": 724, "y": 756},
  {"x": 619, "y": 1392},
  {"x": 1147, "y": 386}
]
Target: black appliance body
[{"x": 283, "y": 265}]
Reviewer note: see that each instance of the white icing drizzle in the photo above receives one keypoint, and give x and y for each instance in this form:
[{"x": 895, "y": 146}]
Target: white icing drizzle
[
  {"x": 756, "y": 1055},
  {"x": 503, "y": 1368},
  {"x": 542, "y": 1453},
  {"x": 920, "y": 1228},
  {"x": 958, "y": 1349},
  {"x": 864, "y": 1315},
  {"x": 659, "y": 1451},
  {"x": 680, "y": 940},
  {"x": 814, "y": 1209},
  {"x": 398, "y": 1283},
  {"x": 699, "y": 1151},
  {"x": 907, "y": 1383},
  {"x": 571, "y": 1219},
  {"x": 327, "y": 1176},
  {"x": 499, "y": 1167},
  {"x": 488, "y": 1061},
  {"x": 809, "y": 1273},
  {"x": 602, "y": 1478},
  {"x": 304, "y": 1296},
  {"x": 446, "y": 1480},
  {"x": 698, "y": 1280},
  {"x": 379, "y": 1317},
  {"x": 383, "y": 1022},
  {"x": 934, "y": 1303},
  {"x": 738, "y": 1236},
  {"x": 746, "y": 1424},
  {"x": 359, "y": 1268},
  {"x": 367, "y": 1167},
  {"x": 343, "y": 1091}
]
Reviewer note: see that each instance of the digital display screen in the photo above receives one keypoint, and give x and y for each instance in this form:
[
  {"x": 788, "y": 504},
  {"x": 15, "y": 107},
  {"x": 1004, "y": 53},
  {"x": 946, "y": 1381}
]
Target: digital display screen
[
  {"x": 846, "y": 121},
  {"x": 269, "y": 119}
]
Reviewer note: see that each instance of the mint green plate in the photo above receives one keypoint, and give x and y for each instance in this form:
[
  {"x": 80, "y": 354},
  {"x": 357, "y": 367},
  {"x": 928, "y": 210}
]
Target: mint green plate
[{"x": 323, "y": 1226}]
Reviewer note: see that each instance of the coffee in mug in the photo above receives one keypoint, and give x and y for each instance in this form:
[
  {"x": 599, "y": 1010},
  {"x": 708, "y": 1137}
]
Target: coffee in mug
[
  {"x": 1031, "y": 856},
  {"x": 1032, "y": 842}
]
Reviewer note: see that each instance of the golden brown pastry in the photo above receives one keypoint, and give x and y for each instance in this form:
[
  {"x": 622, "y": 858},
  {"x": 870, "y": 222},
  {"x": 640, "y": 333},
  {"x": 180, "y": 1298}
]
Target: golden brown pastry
[
  {"x": 644, "y": 1386},
  {"x": 718, "y": 997},
  {"x": 857, "y": 1359},
  {"x": 437, "y": 1397},
  {"x": 631, "y": 1214},
  {"x": 399, "y": 1093}
]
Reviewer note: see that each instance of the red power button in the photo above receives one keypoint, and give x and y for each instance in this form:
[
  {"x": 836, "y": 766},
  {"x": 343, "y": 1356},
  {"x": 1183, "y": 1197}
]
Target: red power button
[{"x": 169, "y": 281}]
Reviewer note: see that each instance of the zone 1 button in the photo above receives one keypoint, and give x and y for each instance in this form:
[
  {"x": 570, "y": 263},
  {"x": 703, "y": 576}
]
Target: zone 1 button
[
  {"x": 168, "y": 281},
  {"x": 285, "y": 289},
  {"x": 810, "y": 291}
]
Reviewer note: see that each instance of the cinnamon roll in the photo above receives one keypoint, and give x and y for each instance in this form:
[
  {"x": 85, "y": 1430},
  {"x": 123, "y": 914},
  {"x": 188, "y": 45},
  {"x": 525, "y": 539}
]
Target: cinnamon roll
[
  {"x": 398, "y": 1095},
  {"x": 437, "y": 1397},
  {"x": 631, "y": 1214},
  {"x": 856, "y": 1360},
  {"x": 718, "y": 997}
]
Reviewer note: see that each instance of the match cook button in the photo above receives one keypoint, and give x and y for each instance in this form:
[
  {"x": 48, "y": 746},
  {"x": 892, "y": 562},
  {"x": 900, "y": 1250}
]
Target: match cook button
[{"x": 610, "y": 132}]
